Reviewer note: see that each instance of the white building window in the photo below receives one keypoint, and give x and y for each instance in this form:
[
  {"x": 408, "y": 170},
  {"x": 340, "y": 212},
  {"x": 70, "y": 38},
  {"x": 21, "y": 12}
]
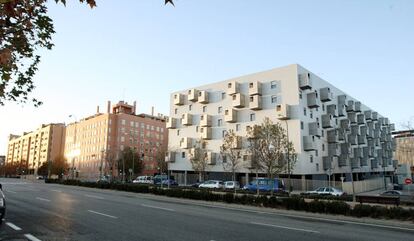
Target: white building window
[
  {"x": 273, "y": 84},
  {"x": 274, "y": 99},
  {"x": 204, "y": 108},
  {"x": 220, "y": 109},
  {"x": 123, "y": 122},
  {"x": 219, "y": 122},
  {"x": 237, "y": 127},
  {"x": 252, "y": 117}
]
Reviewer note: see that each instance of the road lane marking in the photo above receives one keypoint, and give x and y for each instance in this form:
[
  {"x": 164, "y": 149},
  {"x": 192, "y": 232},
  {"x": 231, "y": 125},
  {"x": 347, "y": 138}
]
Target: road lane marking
[
  {"x": 10, "y": 191},
  {"x": 16, "y": 228},
  {"x": 161, "y": 208},
  {"x": 103, "y": 214},
  {"x": 55, "y": 190},
  {"x": 42, "y": 199},
  {"x": 93, "y": 196},
  {"x": 31, "y": 237},
  {"x": 284, "y": 227}
]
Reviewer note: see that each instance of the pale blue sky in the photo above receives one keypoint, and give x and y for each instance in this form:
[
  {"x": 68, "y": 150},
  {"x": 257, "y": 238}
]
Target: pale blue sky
[{"x": 143, "y": 50}]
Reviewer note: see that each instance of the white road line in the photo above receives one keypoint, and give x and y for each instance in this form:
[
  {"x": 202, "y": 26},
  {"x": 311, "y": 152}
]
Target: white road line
[
  {"x": 31, "y": 237},
  {"x": 93, "y": 196},
  {"x": 103, "y": 214},
  {"x": 10, "y": 191},
  {"x": 166, "y": 209},
  {"x": 13, "y": 226},
  {"x": 284, "y": 227},
  {"x": 55, "y": 190},
  {"x": 42, "y": 199}
]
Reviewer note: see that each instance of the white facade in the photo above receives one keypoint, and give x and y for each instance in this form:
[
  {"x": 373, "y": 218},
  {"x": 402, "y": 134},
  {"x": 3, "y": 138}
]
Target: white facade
[{"x": 295, "y": 97}]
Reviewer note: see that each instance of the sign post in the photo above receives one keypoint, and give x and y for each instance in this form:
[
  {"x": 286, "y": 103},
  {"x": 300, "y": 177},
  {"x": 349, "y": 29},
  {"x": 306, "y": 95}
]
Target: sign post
[{"x": 408, "y": 181}]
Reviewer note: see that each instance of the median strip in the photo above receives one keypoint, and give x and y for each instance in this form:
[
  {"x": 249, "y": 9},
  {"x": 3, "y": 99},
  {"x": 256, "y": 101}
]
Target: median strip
[
  {"x": 16, "y": 228},
  {"x": 31, "y": 237},
  {"x": 161, "y": 208},
  {"x": 42, "y": 199},
  {"x": 284, "y": 227},
  {"x": 102, "y": 214}
]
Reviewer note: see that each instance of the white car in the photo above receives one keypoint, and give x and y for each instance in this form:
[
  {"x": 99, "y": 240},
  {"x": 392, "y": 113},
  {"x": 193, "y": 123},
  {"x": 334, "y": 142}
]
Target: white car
[
  {"x": 327, "y": 191},
  {"x": 143, "y": 180},
  {"x": 212, "y": 184},
  {"x": 231, "y": 185}
]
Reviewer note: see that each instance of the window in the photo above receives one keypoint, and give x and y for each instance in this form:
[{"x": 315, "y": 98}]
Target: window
[
  {"x": 234, "y": 97},
  {"x": 183, "y": 154},
  {"x": 274, "y": 99},
  {"x": 300, "y": 94},
  {"x": 251, "y": 85},
  {"x": 311, "y": 158},
  {"x": 317, "y": 167},
  {"x": 178, "y": 132},
  {"x": 323, "y": 107},
  {"x": 311, "y": 114},
  {"x": 252, "y": 117},
  {"x": 229, "y": 85},
  {"x": 273, "y": 85},
  {"x": 304, "y": 111},
  {"x": 223, "y": 95},
  {"x": 237, "y": 127},
  {"x": 251, "y": 98},
  {"x": 219, "y": 122},
  {"x": 123, "y": 122},
  {"x": 204, "y": 108},
  {"x": 175, "y": 111},
  {"x": 301, "y": 125},
  {"x": 323, "y": 133},
  {"x": 317, "y": 121},
  {"x": 219, "y": 109},
  {"x": 323, "y": 147},
  {"x": 223, "y": 133},
  {"x": 190, "y": 107},
  {"x": 316, "y": 153}
]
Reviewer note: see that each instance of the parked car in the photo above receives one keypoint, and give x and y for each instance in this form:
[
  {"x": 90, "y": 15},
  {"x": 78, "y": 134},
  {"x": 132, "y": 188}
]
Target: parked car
[
  {"x": 265, "y": 185},
  {"x": 391, "y": 193},
  {"x": 143, "y": 180},
  {"x": 161, "y": 177},
  {"x": 39, "y": 178},
  {"x": 197, "y": 184},
  {"x": 102, "y": 180},
  {"x": 326, "y": 191},
  {"x": 214, "y": 184},
  {"x": 170, "y": 181},
  {"x": 2, "y": 204},
  {"x": 231, "y": 185}
]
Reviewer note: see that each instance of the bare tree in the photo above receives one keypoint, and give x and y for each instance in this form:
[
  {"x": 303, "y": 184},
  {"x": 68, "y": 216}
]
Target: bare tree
[
  {"x": 162, "y": 165},
  {"x": 408, "y": 125},
  {"x": 253, "y": 143},
  {"x": 199, "y": 159},
  {"x": 231, "y": 153},
  {"x": 272, "y": 149}
]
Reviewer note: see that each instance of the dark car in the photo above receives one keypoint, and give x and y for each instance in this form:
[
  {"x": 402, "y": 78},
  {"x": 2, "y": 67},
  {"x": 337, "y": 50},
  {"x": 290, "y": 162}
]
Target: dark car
[
  {"x": 2, "y": 204},
  {"x": 172, "y": 182}
]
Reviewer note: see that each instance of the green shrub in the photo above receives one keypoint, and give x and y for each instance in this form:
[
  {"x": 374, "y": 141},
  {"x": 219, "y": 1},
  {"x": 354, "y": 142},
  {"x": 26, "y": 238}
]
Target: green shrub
[
  {"x": 316, "y": 206},
  {"x": 361, "y": 210},
  {"x": 337, "y": 207}
]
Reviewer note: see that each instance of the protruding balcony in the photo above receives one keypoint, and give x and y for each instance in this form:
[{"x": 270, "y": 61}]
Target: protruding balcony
[
  {"x": 314, "y": 130},
  {"x": 354, "y": 162},
  {"x": 170, "y": 157},
  {"x": 326, "y": 94},
  {"x": 192, "y": 95},
  {"x": 327, "y": 121},
  {"x": 203, "y": 97},
  {"x": 232, "y": 88},
  {"x": 247, "y": 161},
  {"x": 178, "y": 99},
  {"x": 206, "y": 133},
  {"x": 327, "y": 162},
  {"x": 187, "y": 119},
  {"x": 361, "y": 119},
  {"x": 237, "y": 144},
  {"x": 255, "y": 102},
  {"x": 341, "y": 100},
  {"x": 282, "y": 112},
  {"x": 171, "y": 123},
  {"x": 211, "y": 158},
  {"x": 392, "y": 127},
  {"x": 342, "y": 161},
  {"x": 333, "y": 150},
  {"x": 308, "y": 143},
  {"x": 357, "y": 106},
  {"x": 305, "y": 81},
  {"x": 374, "y": 116},
  {"x": 313, "y": 100},
  {"x": 374, "y": 163},
  {"x": 352, "y": 140},
  {"x": 344, "y": 124},
  {"x": 252, "y": 132},
  {"x": 332, "y": 136},
  {"x": 350, "y": 106},
  {"x": 352, "y": 118},
  {"x": 205, "y": 120},
  {"x": 255, "y": 88},
  {"x": 238, "y": 100},
  {"x": 186, "y": 142},
  {"x": 363, "y": 130},
  {"x": 355, "y": 130},
  {"x": 230, "y": 115},
  {"x": 362, "y": 140},
  {"x": 331, "y": 109},
  {"x": 368, "y": 115}
]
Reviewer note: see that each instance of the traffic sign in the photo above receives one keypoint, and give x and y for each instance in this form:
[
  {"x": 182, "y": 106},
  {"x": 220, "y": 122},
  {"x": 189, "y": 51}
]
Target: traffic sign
[{"x": 408, "y": 181}]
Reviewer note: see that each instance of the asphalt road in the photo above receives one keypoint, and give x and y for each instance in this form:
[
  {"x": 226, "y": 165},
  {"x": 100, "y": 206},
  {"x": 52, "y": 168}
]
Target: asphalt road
[{"x": 38, "y": 211}]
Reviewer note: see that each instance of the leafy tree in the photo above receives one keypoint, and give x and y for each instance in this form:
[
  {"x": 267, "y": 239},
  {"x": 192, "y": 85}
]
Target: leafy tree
[
  {"x": 198, "y": 158},
  {"x": 25, "y": 28},
  {"x": 130, "y": 159},
  {"x": 59, "y": 166},
  {"x": 231, "y": 153},
  {"x": 272, "y": 147},
  {"x": 43, "y": 169},
  {"x": 162, "y": 165}
]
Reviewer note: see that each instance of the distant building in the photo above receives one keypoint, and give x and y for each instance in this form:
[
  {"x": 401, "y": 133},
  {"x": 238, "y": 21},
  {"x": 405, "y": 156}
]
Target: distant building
[
  {"x": 32, "y": 149},
  {"x": 331, "y": 131},
  {"x": 404, "y": 147},
  {"x": 99, "y": 140}
]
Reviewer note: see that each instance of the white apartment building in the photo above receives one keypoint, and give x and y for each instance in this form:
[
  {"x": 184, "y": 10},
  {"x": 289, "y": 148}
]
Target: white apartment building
[{"x": 332, "y": 132}]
